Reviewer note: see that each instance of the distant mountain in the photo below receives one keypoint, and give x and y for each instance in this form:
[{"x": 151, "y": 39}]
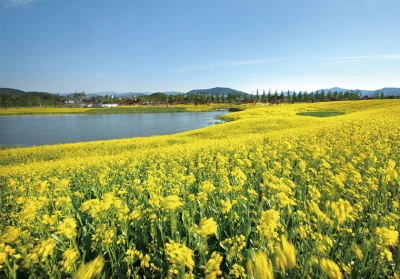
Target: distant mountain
[
  {"x": 172, "y": 92},
  {"x": 12, "y": 91},
  {"x": 117, "y": 94},
  {"x": 122, "y": 95},
  {"x": 216, "y": 90},
  {"x": 113, "y": 93},
  {"x": 387, "y": 91},
  {"x": 333, "y": 89}
]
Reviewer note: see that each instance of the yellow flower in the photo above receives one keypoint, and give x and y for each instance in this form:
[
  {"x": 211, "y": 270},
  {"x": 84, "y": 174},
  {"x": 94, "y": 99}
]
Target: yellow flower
[
  {"x": 67, "y": 228},
  {"x": 108, "y": 200},
  {"x": 179, "y": 255},
  {"x": 172, "y": 202},
  {"x": 285, "y": 255},
  {"x": 207, "y": 227},
  {"x": 91, "y": 269},
  {"x": 386, "y": 254},
  {"x": 225, "y": 206},
  {"x": 212, "y": 266},
  {"x": 341, "y": 210},
  {"x": 45, "y": 248},
  {"x": 387, "y": 236},
  {"x": 145, "y": 261},
  {"x": 330, "y": 268},
  {"x": 269, "y": 223},
  {"x": 260, "y": 268},
  {"x": 3, "y": 257},
  {"x": 357, "y": 251},
  {"x": 207, "y": 187},
  {"x": 10, "y": 235},
  {"x": 69, "y": 258},
  {"x": 132, "y": 255},
  {"x": 238, "y": 271},
  {"x": 391, "y": 172}
]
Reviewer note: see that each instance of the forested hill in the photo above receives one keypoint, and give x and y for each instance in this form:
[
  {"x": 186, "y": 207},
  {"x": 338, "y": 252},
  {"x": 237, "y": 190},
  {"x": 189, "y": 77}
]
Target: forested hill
[
  {"x": 17, "y": 98},
  {"x": 217, "y": 90}
]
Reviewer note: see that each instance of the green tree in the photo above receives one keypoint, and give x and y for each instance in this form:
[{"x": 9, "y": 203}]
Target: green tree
[
  {"x": 263, "y": 97},
  {"x": 322, "y": 96},
  {"x": 289, "y": 97},
  {"x": 300, "y": 96},
  {"x": 275, "y": 97},
  {"x": 310, "y": 97},
  {"x": 295, "y": 98},
  {"x": 282, "y": 96},
  {"x": 329, "y": 96}
]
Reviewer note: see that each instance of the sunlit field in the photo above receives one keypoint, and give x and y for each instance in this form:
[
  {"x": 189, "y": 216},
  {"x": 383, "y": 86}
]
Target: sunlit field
[{"x": 276, "y": 192}]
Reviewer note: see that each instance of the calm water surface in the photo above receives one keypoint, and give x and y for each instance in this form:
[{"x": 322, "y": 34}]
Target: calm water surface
[{"x": 52, "y": 129}]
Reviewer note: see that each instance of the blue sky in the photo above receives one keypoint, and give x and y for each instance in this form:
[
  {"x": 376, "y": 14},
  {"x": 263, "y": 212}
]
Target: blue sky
[{"x": 166, "y": 45}]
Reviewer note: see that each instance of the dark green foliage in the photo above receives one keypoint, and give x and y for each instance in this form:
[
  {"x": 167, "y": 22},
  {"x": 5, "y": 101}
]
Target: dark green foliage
[
  {"x": 320, "y": 113},
  {"x": 17, "y": 98}
]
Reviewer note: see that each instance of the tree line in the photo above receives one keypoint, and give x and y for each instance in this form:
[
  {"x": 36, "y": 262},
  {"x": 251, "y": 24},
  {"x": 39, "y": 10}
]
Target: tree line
[
  {"x": 204, "y": 97},
  {"x": 18, "y": 98}
]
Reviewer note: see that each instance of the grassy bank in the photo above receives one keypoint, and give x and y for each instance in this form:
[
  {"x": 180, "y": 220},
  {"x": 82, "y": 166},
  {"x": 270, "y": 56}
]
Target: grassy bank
[{"x": 120, "y": 109}]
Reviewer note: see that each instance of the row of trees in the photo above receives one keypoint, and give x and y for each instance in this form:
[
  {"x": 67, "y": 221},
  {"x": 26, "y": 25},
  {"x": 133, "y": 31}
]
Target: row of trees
[
  {"x": 282, "y": 97},
  {"x": 318, "y": 96},
  {"x": 16, "y": 98},
  {"x": 161, "y": 98}
]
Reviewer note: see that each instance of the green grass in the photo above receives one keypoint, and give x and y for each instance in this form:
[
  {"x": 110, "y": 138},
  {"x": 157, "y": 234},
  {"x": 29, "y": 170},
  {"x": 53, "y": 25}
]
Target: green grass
[
  {"x": 117, "y": 110},
  {"x": 320, "y": 113},
  {"x": 147, "y": 109}
]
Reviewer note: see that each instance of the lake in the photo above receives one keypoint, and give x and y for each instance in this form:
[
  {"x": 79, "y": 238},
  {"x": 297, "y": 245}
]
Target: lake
[{"x": 51, "y": 129}]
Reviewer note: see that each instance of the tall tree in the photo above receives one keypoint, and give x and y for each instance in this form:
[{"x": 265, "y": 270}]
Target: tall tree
[
  {"x": 263, "y": 97},
  {"x": 322, "y": 96},
  {"x": 300, "y": 97},
  {"x": 289, "y": 97},
  {"x": 295, "y": 99}
]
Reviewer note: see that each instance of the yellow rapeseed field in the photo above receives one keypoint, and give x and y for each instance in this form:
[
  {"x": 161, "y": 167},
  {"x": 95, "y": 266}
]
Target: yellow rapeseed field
[{"x": 269, "y": 194}]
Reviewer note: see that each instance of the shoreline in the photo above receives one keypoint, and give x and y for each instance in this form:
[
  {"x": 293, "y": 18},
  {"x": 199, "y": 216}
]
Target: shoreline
[{"x": 14, "y": 111}]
